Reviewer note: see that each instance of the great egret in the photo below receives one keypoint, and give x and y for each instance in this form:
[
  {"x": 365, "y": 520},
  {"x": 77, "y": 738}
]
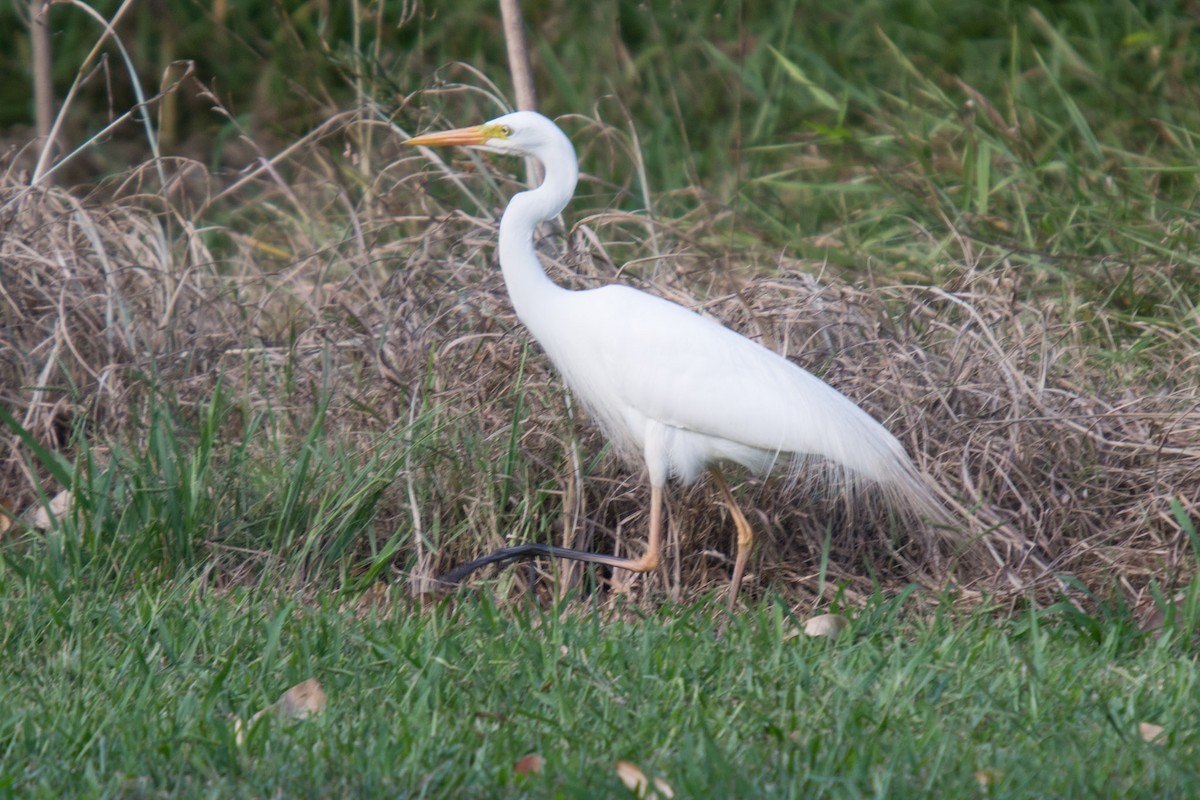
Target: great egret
[{"x": 667, "y": 385}]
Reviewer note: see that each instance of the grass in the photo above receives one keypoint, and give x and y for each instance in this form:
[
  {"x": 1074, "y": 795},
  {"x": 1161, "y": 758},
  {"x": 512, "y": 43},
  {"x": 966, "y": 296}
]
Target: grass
[
  {"x": 136, "y": 693},
  {"x": 282, "y": 391},
  {"x": 1061, "y": 140}
]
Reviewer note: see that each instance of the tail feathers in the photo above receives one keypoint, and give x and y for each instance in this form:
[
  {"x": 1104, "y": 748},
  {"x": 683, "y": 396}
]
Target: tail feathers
[
  {"x": 891, "y": 479},
  {"x": 869, "y": 455},
  {"x": 908, "y": 489}
]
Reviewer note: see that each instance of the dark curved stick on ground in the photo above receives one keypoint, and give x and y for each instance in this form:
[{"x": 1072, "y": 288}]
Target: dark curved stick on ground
[{"x": 526, "y": 552}]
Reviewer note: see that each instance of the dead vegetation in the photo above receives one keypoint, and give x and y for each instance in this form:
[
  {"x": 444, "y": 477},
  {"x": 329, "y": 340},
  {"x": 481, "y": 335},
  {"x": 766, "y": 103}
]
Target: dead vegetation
[{"x": 1060, "y": 448}]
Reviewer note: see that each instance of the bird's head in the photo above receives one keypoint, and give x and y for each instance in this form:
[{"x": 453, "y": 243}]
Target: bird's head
[{"x": 522, "y": 133}]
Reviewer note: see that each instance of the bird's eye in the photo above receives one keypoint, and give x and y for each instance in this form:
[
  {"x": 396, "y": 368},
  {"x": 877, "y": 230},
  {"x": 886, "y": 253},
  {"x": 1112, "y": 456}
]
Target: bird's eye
[{"x": 505, "y": 131}]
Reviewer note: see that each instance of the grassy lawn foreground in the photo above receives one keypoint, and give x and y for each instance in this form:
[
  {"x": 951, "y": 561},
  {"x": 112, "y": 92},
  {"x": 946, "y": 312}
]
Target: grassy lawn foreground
[{"x": 136, "y": 696}]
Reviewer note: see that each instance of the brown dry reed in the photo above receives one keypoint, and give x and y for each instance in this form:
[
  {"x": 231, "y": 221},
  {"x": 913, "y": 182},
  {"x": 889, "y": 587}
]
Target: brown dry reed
[{"x": 1058, "y": 454}]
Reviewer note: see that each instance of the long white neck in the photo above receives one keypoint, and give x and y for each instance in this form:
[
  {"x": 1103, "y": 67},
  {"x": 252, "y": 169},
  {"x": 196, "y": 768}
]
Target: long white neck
[{"x": 528, "y": 285}]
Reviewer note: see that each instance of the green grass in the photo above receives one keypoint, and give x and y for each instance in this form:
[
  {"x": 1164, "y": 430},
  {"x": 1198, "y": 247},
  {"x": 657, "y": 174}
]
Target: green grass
[
  {"x": 1060, "y": 138},
  {"x": 135, "y": 694}
]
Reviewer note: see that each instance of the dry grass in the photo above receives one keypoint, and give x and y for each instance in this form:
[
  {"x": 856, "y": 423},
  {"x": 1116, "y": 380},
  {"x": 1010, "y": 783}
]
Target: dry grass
[{"x": 1060, "y": 453}]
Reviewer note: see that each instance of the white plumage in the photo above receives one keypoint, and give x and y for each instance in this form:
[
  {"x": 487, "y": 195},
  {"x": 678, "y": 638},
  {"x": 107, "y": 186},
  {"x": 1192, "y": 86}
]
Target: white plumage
[{"x": 666, "y": 384}]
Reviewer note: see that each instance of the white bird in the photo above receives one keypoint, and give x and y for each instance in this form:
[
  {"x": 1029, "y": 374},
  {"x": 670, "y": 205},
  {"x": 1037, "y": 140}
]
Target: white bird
[{"x": 667, "y": 385}]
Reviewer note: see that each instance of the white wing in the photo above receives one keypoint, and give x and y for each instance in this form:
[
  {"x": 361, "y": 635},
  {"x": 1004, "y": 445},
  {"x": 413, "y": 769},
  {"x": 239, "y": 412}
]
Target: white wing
[{"x": 631, "y": 356}]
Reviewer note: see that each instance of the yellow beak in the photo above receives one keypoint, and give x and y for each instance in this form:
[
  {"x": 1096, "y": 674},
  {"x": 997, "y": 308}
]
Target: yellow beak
[{"x": 474, "y": 135}]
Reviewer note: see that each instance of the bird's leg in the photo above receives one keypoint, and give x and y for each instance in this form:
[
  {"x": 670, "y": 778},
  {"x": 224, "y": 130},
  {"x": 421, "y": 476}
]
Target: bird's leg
[
  {"x": 653, "y": 554},
  {"x": 745, "y": 536}
]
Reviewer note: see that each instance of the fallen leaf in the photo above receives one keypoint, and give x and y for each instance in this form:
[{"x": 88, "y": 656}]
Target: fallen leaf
[
  {"x": 636, "y": 781},
  {"x": 40, "y": 517},
  {"x": 6, "y": 516},
  {"x": 530, "y": 765},
  {"x": 239, "y": 731},
  {"x": 1154, "y": 734},
  {"x": 304, "y": 700},
  {"x": 663, "y": 787},
  {"x": 987, "y": 777},
  {"x": 826, "y": 625},
  {"x": 632, "y": 776},
  {"x": 1156, "y": 616}
]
